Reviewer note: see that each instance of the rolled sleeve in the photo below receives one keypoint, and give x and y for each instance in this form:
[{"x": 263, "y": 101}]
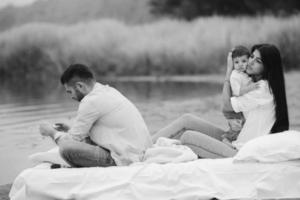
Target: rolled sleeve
[{"x": 86, "y": 117}]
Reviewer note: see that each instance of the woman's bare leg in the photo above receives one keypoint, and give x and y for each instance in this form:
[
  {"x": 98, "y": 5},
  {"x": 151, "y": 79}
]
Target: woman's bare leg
[
  {"x": 205, "y": 146},
  {"x": 188, "y": 122}
]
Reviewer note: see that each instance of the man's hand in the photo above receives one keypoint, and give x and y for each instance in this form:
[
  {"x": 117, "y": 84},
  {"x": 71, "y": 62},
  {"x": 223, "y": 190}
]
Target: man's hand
[
  {"x": 62, "y": 127},
  {"x": 47, "y": 129}
]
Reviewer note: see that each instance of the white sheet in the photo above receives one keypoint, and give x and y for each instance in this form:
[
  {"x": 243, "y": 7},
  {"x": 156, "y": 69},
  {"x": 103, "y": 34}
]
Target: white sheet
[
  {"x": 165, "y": 150},
  {"x": 200, "y": 179}
]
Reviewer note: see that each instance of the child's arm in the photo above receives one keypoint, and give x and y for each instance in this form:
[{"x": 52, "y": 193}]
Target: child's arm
[{"x": 235, "y": 84}]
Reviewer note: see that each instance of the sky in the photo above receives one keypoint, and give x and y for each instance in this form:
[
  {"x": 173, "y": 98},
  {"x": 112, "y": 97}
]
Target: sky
[{"x": 4, "y": 3}]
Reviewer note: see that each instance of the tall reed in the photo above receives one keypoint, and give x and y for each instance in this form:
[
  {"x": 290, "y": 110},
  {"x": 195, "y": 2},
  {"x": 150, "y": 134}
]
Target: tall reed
[{"x": 42, "y": 51}]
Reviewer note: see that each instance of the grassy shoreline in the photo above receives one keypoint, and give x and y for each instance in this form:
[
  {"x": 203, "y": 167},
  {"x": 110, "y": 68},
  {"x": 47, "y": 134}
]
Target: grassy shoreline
[{"x": 209, "y": 78}]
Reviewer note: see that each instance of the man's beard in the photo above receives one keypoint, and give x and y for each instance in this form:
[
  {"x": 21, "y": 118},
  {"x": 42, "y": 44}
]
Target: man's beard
[{"x": 79, "y": 95}]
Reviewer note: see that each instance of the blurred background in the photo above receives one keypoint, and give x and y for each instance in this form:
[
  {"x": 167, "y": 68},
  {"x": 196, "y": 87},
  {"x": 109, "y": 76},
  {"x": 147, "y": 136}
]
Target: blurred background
[{"x": 167, "y": 56}]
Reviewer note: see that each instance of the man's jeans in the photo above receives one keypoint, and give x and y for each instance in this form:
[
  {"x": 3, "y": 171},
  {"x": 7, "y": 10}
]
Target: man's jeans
[{"x": 84, "y": 154}]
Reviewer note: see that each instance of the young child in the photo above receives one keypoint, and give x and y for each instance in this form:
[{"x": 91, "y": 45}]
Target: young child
[{"x": 240, "y": 84}]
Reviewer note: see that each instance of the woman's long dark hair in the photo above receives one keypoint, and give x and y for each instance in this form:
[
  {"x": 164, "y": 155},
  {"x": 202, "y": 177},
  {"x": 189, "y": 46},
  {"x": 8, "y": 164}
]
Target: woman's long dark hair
[{"x": 273, "y": 73}]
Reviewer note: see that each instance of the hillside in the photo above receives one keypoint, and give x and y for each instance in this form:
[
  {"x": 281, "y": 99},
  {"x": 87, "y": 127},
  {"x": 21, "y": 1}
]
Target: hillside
[{"x": 74, "y": 11}]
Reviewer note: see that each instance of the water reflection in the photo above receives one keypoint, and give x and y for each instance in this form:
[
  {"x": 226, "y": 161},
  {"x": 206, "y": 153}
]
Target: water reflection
[
  {"x": 160, "y": 91},
  {"x": 44, "y": 93},
  {"x": 23, "y": 105},
  {"x": 30, "y": 92}
]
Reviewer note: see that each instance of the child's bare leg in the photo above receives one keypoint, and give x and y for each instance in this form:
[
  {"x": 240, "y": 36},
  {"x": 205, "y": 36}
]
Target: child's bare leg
[{"x": 188, "y": 122}]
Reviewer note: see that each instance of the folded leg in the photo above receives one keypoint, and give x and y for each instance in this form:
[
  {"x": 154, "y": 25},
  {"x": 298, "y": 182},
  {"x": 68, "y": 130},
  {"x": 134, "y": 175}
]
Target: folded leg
[
  {"x": 188, "y": 122},
  {"x": 206, "y": 146},
  {"x": 82, "y": 154}
]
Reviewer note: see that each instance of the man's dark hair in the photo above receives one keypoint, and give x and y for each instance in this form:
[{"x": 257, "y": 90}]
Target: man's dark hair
[
  {"x": 239, "y": 51},
  {"x": 79, "y": 72}
]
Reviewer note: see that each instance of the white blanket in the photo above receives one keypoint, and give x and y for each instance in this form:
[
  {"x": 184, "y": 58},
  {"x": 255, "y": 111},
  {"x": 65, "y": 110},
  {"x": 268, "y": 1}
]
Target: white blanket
[
  {"x": 165, "y": 150},
  {"x": 200, "y": 179}
]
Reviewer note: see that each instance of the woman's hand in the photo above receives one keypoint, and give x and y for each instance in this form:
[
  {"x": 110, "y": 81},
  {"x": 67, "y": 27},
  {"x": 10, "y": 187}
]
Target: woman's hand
[{"x": 227, "y": 107}]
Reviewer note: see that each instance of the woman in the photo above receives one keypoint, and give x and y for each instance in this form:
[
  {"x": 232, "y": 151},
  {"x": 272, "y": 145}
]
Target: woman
[{"x": 264, "y": 108}]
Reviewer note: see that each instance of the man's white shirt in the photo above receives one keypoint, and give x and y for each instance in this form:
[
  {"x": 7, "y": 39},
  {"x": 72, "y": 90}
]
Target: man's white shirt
[{"x": 112, "y": 122}]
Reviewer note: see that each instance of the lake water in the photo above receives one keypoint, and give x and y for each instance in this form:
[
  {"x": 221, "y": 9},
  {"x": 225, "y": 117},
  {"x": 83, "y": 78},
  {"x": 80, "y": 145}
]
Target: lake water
[{"x": 22, "y": 107}]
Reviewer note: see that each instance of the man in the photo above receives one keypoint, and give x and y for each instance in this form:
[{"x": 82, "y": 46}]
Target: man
[{"x": 108, "y": 129}]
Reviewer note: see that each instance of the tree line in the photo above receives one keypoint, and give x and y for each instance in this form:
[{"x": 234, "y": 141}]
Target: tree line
[{"x": 190, "y": 9}]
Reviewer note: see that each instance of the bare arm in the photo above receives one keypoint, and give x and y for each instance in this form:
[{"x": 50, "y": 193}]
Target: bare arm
[{"x": 227, "y": 107}]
